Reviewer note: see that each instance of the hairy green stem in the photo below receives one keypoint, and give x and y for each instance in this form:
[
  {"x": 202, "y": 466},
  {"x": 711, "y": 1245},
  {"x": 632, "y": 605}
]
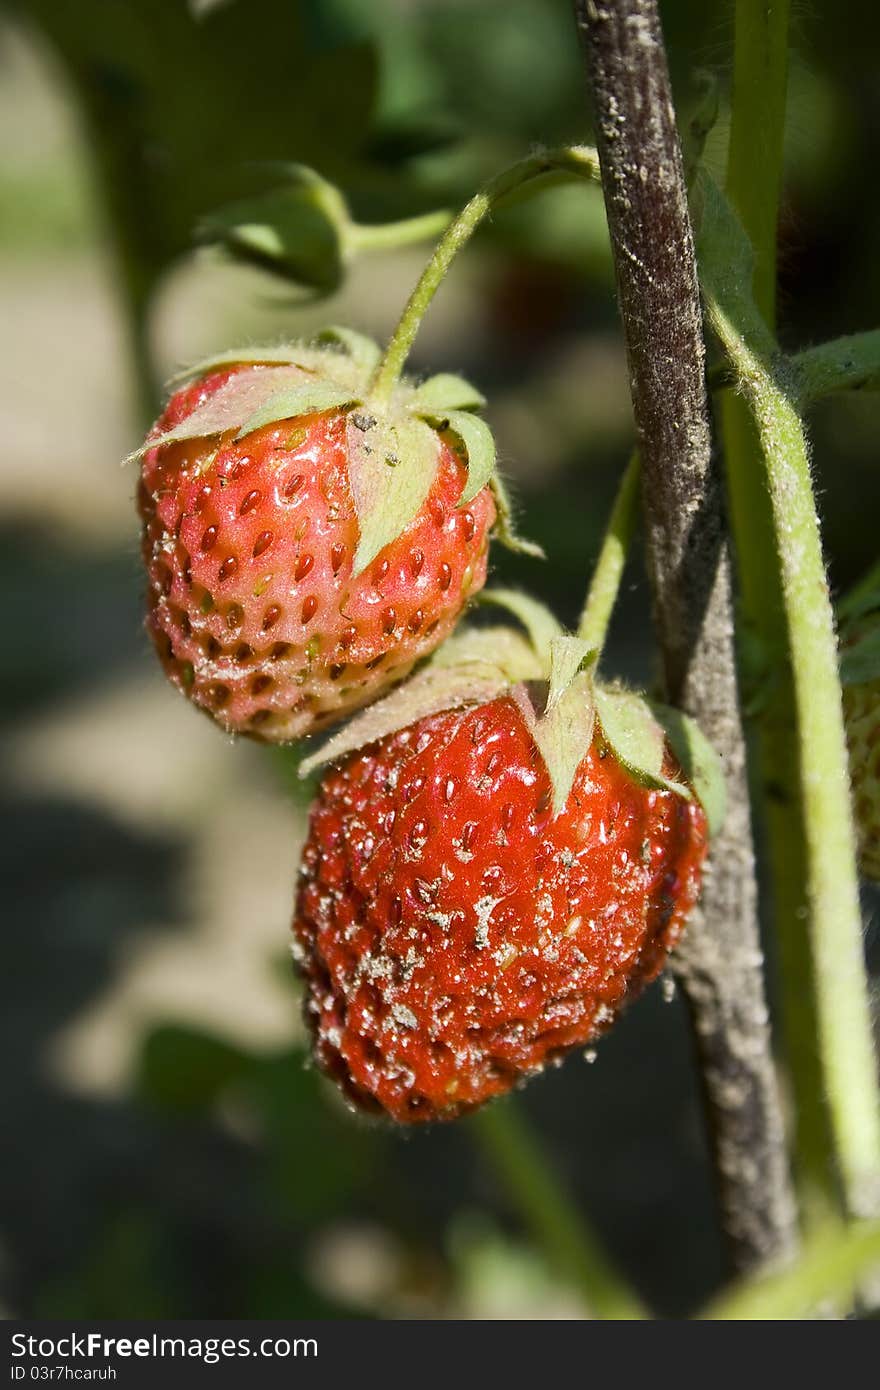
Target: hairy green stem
[
  {"x": 577, "y": 161},
  {"x": 829, "y": 1271},
  {"x": 754, "y": 184},
  {"x": 830, "y": 902},
  {"x": 570, "y": 1246},
  {"x": 608, "y": 572}
]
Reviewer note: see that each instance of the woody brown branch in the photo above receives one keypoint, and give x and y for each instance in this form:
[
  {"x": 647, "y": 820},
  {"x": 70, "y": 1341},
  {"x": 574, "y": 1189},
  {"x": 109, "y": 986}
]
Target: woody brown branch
[{"x": 719, "y": 964}]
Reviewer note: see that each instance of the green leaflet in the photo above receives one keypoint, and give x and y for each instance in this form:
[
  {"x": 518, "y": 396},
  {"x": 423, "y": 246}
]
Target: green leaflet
[
  {"x": 537, "y": 620},
  {"x": 503, "y": 648},
  {"x": 700, "y": 763},
  {"x": 446, "y": 392},
  {"x": 357, "y": 346},
  {"x": 564, "y": 728},
  {"x": 632, "y": 731},
  {"x": 426, "y": 694},
  {"x": 504, "y": 526},
  {"x": 236, "y": 401},
  {"x": 861, "y": 662},
  {"x": 479, "y": 446},
  {"x": 725, "y": 253},
  {"x": 291, "y": 354},
  {"x": 298, "y": 230},
  {"x": 307, "y": 398},
  {"x": 567, "y": 656},
  {"x": 473, "y": 667},
  {"x": 562, "y": 733},
  {"x": 637, "y": 731},
  {"x": 391, "y": 468}
]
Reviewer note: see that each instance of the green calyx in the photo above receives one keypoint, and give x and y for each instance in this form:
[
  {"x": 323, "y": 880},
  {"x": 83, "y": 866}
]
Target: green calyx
[
  {"x": 550, "y": 674},
  {"x": 393, "y": 451}
]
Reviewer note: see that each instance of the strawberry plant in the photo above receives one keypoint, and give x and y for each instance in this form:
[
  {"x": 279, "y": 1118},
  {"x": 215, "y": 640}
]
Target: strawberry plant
[{"x": 506, "y": 843}]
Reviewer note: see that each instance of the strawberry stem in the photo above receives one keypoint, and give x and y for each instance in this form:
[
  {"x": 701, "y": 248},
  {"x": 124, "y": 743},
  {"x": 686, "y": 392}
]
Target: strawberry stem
[
  {"x": 573, "y": 161},
  {"x": 388, "y": 236},
  {"x": 825, "y": 902},
  {"x": 760, "y": 526},
  {"x": 718, "y": 964},
  {"x": 753, "y": 185},
  {"x": 608, "y": 572},
  {"x": 570, "y": 1246},
  {"x": 835, "y": 1261}
]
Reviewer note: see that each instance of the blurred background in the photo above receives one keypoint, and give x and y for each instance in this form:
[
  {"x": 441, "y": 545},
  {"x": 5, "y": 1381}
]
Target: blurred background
[{"x": 166, "y": 1149}]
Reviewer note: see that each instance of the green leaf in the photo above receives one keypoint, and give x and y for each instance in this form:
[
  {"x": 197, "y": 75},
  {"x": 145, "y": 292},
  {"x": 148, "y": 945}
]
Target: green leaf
[
  {"x": 479, "y": 447},
  {"x": 391, "y": 467},
  {"x": 361, "y": 349},
  {"x": 725, "y": 252},
  {"x": 309, "y": 398},
  {"x": 291, "y": 354},
  {"x": 635, "y": 735},
  {"x": 504, "y": 649},
  {"x": 700, "y": 763},
  {"x": 236, "y": 401},
  {"x": 445, "y": 392},
  {"x": 473, "y": 667},
  {"x": 567, "y": 657},
  {"x": 538, "y": 621},
  {"x": 505, "y": 529},
  {"x": 860, "y": 663},
  {"x": 297, "y": 231},
  {"x": 562, "y": 733},
  {"x": 631, "y": 730}
]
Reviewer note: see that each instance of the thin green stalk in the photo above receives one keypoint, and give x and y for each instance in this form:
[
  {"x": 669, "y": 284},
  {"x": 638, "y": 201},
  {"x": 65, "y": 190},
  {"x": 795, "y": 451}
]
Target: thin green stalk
[
  {"x": 608, "y": 572},
  {"x": 830, "y": 1271},
  {"x": 830, "y": 888},
  {"x": 753, "y": 185},
  {"x": 578, "y": 161},
  {"x": 570, "y": 1246},
  {"x": 391, "y": 235}
]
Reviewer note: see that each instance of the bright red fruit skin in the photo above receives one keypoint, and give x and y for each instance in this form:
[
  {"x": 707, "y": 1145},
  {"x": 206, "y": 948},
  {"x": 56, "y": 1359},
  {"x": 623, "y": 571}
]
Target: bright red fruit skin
[
  {"x": 249, "y": 550},
  {"x": 453, "y": 936}
]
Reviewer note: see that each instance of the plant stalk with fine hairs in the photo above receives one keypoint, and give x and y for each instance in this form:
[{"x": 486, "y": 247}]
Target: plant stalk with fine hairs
[{"x": 719, "y": 965}]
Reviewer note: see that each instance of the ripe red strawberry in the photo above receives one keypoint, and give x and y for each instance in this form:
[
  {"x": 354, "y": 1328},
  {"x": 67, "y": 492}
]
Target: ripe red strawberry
[
  {"x": 455, "y": 935},
  {"x": 251, "y": 536}
]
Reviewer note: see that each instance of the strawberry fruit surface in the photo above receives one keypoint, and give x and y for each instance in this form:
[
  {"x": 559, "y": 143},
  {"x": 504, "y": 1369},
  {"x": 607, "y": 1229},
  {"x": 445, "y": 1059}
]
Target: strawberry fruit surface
[
  {"x": 257, "y": 605},
  {"x": 454, "y": 934}
]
